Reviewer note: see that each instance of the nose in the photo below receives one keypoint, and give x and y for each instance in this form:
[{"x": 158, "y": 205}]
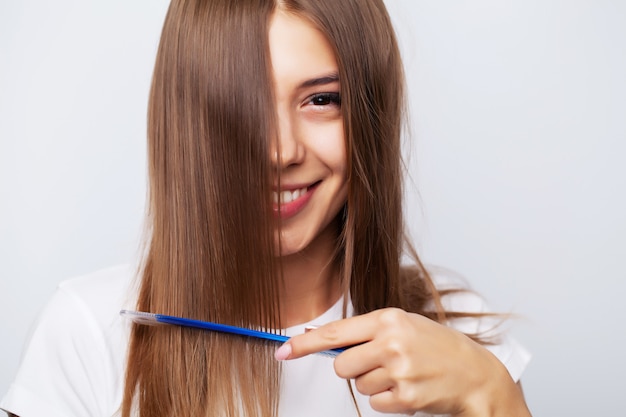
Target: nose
[{"x": 287, "y": 148}]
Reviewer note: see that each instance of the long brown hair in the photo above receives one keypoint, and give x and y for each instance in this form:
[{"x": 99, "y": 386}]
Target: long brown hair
[
  {"x": 373, "y": 104},
  {"x": 210, "y": 246},
  {"x": 209, "y": 257}
]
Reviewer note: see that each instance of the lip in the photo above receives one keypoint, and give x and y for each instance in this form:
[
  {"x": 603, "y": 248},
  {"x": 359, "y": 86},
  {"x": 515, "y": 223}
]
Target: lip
[{"x": 288, "y": 210}]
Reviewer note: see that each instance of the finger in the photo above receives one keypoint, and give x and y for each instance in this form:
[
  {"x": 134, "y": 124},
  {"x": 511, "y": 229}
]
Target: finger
[
  {"x": 390, "y": 402},
  {"x": 359, "y": 360},
  {"x": 337, "y": 334},
  {"x": 373, "y": 382}
]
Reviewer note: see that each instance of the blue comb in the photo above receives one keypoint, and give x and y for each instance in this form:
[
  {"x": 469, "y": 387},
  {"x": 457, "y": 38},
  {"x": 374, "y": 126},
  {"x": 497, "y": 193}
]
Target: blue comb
[{"x": 151, "y": 319}]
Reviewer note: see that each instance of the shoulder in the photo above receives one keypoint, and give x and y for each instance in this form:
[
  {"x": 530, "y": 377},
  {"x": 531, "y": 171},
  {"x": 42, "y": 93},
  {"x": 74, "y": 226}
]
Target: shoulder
[
  {"x": 83, "y": 317},
  {"x": 102, "y": 292},
  {"x": 78, "y": 346},
  {"x": 112, "y": 280},
  {"x": 479, "y": 319},
  {"x": 90, "y": 304},
  {"x": 457, "y": 294},
  {"x": 87, "y": 305}
]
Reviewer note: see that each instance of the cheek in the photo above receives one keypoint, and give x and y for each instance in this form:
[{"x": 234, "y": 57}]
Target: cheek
[{"x": 329, "y": 145}]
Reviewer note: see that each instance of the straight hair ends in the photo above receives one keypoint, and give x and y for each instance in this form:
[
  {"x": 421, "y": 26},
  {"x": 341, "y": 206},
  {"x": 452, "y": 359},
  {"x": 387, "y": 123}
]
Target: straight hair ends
[{"x": 210, "y": 244}]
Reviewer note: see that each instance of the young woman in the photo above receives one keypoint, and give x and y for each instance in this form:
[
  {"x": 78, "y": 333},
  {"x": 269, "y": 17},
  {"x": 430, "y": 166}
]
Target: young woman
[{"x": 275, "y": 203}]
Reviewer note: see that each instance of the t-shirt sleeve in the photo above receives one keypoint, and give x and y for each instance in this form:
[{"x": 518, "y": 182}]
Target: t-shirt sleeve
[
  {"x": 65, "y": 368},
  {"x": 512, "y": 354}
]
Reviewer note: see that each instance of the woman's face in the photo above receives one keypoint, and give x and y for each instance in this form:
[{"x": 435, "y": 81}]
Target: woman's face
[{"x": 311, "y": 156}]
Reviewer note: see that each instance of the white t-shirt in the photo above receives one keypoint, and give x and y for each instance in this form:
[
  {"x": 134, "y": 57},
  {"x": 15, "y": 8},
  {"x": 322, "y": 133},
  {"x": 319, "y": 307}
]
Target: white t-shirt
[{"x": 74, "y": 362}]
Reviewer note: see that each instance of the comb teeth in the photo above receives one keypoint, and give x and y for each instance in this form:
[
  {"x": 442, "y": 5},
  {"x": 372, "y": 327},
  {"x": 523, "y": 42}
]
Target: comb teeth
[
  {"x": 328, "y": 353},
  {"x": 152, "y": 319},
  {"x": 141, "y": 317}
]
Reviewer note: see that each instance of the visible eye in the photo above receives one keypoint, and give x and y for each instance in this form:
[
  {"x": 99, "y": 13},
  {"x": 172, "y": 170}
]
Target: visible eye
[{"x": 325, "y": 99}]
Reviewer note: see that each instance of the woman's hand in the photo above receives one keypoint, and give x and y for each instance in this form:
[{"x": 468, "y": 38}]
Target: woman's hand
[{"x": 406, "y": 363}]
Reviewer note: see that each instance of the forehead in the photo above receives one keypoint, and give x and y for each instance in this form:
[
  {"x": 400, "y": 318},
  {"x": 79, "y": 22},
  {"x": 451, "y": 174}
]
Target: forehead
[{"x": 298, "y": 50}]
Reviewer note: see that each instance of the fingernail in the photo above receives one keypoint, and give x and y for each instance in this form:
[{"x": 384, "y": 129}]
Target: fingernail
[{"x": 283, "y": 352}]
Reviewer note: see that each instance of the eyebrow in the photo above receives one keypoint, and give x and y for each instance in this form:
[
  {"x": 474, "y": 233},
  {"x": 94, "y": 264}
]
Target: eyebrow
[{"x": 327, "y": 79}]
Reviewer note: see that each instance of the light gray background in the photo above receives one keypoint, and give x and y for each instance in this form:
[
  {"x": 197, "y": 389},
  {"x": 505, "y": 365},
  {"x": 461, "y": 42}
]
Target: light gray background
[{"x": 519, "y": 141}]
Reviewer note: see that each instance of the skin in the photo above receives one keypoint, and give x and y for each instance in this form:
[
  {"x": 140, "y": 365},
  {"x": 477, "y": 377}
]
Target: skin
[
  {"x": 311, "y": 152},
  {"x": 404, "y": 362}
]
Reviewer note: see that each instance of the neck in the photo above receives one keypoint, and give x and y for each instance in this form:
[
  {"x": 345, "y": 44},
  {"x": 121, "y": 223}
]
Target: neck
[{"x": 311, "y": 283}]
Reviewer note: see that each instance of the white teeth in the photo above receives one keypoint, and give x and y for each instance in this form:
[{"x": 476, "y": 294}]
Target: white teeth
[{"x": 285, "y": 197}]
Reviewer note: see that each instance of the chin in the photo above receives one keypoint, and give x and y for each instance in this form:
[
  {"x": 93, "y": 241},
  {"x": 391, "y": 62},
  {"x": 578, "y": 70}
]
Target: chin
[
  {"x": 318, "y": 238},
  {"x": 287, "y": 249},
  {"x": 291, "y": 245}
]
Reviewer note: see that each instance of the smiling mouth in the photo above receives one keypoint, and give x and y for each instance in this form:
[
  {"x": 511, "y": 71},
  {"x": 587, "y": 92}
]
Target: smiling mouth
[
  {"x": 288, "y": 203},
  {"x": 288, "y": 196},
  {"x": 284, "y": 197}
]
